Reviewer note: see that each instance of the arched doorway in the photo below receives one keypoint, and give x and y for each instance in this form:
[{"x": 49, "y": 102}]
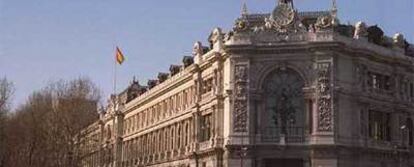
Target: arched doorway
[{"x": 284, "y": 106}]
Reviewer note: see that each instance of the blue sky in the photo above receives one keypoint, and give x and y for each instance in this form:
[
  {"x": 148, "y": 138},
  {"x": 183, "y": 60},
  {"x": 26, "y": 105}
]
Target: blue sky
[{"x": 46, "y": 40}]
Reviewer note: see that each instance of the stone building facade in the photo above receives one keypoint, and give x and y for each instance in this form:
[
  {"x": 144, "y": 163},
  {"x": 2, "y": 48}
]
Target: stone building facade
[{"x": 288, "y": 88}]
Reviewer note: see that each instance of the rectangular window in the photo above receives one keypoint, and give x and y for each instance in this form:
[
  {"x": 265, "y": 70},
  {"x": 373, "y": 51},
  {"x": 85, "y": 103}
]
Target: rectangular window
[
  {"x": 379, "y": 81},
  {"x": 207, "y": 85},
  {"x": 310, "y": 116},
  {"x": 205, "y": 127},
  {"x": 379, "y": 125}
]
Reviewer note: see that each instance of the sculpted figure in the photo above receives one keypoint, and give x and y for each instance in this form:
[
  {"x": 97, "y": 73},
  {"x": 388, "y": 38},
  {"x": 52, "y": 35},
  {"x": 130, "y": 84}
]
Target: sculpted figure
[
  {"x": 197, "y": 49},
  {"x": 311, "y": 28},
  {"x": 360, "y": 30},
  {"x": 268, "y": 23},
  {"x": 399, "y": 40},
  {"x": 216, "y": 38}
]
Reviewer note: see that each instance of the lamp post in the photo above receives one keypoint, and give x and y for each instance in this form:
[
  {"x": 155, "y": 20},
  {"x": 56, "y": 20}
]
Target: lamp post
[
  {"x": 242, "y": 152},
  {"x": 403, "y": 146}
]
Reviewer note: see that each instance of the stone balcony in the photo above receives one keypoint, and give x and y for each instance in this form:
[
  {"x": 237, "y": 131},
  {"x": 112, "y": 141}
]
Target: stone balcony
[{"x": 275, "y": 135}]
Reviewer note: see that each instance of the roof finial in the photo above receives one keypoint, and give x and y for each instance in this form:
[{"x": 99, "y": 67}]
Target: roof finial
[
  {"x": 334, "y": 7},
  {"x": 289, "y": 2},
  {"x": 244, "y": 11},
  {"x": 334, "y": 12}
]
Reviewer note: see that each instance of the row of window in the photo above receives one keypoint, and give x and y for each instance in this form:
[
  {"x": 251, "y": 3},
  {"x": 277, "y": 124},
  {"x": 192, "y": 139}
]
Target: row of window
[
  {"x": 168, "y": 140},
  {"x": 164, "y": 109},
  {"x": 407, "y": 90},
  {"x": 207, "y": 86},
  {"x": 174, "y": 137},
  {"x": 90, "y": 144},
  {"x": 379, "y": 127},
  {"x": 377, "y": 81},
  {"x": 91, "y": 160},
  {"x": 105, "y": 156}
]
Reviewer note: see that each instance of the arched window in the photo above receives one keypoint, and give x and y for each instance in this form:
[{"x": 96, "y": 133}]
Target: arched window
[
  {"x": 166, "y": 139},
  {"x": 159, "y": 141},
  {"x": 186, "y": 135},
  {"x": 179, "y": 137},
  {"x": 284, "y": 102},
  {"x": 172, "y": 138}
]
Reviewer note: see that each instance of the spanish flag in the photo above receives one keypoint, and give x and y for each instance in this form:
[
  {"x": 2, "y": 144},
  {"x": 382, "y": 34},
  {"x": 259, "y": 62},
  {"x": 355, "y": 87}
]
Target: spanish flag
[{"x": 119, "y": 56}]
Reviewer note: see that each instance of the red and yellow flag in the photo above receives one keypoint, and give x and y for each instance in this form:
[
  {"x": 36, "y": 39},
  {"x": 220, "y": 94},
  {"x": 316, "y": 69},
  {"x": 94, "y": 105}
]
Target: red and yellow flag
[{"x": 119, "y": 56}]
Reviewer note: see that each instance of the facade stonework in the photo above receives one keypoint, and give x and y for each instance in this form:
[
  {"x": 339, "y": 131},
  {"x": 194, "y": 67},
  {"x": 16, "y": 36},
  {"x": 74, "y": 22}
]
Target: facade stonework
[{"x": 289, "y": 88}]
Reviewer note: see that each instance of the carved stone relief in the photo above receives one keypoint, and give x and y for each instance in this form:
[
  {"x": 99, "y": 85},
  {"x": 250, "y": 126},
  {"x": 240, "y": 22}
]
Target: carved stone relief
[
  {"x": 324, "y": 23},
  {"x": 240, "y": 98},
  {"x": 325, "y": 114}
]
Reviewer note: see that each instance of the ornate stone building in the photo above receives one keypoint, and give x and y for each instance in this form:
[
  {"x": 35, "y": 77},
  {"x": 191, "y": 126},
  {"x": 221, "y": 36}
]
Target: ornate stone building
[{"x": 289, "y": 88}]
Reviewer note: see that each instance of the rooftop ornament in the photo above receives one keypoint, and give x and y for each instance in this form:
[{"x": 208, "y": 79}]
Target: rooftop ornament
[
  {"x": 360, "y": 30},
  {"x": 174, "y": 69},
  {"x": 216, "y": 39},
  {"x": 399, "y": 40},
  {"x": 162, "y": 77},
  {"x": 152, "y": 83},
  {"x": 187, "y": 61}
]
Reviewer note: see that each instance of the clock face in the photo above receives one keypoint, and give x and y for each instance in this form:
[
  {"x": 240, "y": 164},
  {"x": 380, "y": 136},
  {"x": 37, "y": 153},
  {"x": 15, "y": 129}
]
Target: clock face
[{"x": 283, "y": 15}]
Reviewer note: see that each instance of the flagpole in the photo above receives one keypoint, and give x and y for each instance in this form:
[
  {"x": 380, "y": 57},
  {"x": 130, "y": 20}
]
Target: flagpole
[{"x": 115, "y": 73}]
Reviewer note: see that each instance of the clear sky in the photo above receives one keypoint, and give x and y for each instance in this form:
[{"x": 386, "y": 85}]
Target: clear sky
[{"x": 46, "y": 40}]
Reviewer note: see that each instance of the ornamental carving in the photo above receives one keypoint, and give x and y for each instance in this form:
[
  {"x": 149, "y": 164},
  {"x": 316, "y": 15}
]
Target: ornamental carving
[
  {"x": 283, "y": 20},
  {"x": 240, "y": 98},
  {"x": 324, "y": 23},
  {"x": 325, "y": 114},
  {"x": 241, "y": 25},
  {"x": 284, "y": 100}
]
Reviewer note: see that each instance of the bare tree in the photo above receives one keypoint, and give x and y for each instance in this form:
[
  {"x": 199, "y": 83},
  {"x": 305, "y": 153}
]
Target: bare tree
[
  {"x": 43, "y": 131},
  {"x": 6, "y": 91}
]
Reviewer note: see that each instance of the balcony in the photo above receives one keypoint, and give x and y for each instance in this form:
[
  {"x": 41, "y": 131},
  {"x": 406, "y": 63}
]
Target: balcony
[{"x": 275, "y": 135}]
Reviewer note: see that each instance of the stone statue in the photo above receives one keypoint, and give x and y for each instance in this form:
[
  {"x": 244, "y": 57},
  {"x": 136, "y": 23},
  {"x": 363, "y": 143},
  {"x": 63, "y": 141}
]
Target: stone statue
[
  {"x": 360, "y": 30},
  {"x": 197, "y": 48},
  {"x": 399, "y": 40},
  {"x": 311, "y": 28},
  {"x": 216, "y": 38},
  {"x": 268, "y": 23}
]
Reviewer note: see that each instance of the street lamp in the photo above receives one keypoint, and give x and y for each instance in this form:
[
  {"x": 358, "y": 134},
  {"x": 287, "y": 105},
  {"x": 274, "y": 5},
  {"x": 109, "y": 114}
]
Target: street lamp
[
  {"x": 243, "y": 153},
  {"x": 402, "y": 145}
]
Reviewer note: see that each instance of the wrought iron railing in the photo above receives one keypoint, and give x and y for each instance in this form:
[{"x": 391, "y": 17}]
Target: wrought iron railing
[{"x": 291, "y": 134}]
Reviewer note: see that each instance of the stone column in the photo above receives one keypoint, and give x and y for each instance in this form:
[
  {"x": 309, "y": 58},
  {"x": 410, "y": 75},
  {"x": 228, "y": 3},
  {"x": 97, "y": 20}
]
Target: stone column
[
  {"x": 196, "y": 126},
  {"x": 118, "y": 126}
]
